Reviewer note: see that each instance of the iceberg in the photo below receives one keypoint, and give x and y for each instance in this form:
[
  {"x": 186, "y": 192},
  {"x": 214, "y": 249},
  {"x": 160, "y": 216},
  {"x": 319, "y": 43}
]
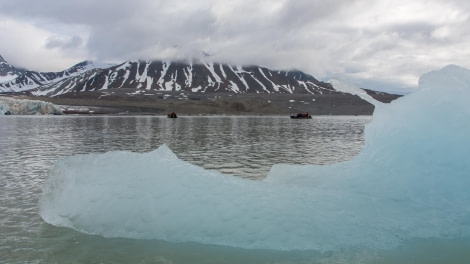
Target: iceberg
[
  {"x": 410, "y": 181},
  {"x": 14, "y": 106}
]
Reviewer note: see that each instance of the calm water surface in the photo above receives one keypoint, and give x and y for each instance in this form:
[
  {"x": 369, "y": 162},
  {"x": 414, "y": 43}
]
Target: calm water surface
[{"x": 241, "y": 146}]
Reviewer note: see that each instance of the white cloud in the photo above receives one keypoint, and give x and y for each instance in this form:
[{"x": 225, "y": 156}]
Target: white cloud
[
  {"x": 386, "y": 43},
  {"x": 25, "y": 45}
]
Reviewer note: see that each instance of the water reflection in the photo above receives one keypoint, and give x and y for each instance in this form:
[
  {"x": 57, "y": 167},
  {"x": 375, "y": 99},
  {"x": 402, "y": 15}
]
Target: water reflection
[
  {"x": 248, "y": 147},
  {"x": 241, "y": 146}
]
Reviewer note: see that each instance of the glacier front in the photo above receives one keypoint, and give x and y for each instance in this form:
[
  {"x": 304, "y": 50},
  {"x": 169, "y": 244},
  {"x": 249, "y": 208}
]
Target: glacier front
[
  {"x": 16, "y": 106},
  {"x": 411, "y": 180}
]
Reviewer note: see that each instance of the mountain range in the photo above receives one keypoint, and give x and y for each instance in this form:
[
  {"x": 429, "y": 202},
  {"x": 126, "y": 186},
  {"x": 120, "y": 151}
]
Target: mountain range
[
  {"x": 197, "y": 80},
  {"x": 14, "y": 80},
  {"x": 161, "y": 75}
]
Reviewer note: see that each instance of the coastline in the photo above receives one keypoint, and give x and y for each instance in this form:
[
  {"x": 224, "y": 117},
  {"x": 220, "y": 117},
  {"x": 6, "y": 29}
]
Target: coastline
[{"x": 125, "y": 101}]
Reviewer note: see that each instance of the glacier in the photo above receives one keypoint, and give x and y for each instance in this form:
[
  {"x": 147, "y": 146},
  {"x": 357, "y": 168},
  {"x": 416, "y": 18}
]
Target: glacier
[
  {"x": 410, "y": 181},
  {"x": 15, "y": 106}
]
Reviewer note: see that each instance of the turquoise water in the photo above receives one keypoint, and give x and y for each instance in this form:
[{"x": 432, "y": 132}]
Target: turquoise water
[{"x": 240, "y": 146}]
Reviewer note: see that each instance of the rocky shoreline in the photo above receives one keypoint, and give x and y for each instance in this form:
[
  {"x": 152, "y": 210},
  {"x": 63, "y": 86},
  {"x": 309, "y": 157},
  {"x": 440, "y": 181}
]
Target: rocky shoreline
[
  {"x": 135, "y": 102},
  {"x": 215, "y": 104}
]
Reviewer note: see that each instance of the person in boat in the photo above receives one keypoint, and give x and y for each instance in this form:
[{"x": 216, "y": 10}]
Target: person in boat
[
  {"x": 301, "y": 115},
  {"x": 172, "y": 115}
]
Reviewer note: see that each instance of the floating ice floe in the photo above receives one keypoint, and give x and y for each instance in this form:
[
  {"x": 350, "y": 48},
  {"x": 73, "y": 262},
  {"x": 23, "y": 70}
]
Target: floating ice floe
[{"x": 411, "y": 180}]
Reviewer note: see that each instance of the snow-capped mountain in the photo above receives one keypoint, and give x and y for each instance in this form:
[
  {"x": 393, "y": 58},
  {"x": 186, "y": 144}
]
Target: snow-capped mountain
[
  {"x": 167, "y": 76},
  {"x": 29, "y": 80},
  {"x": 189, "y": 77},
  {"x": 7, "y": 71}
]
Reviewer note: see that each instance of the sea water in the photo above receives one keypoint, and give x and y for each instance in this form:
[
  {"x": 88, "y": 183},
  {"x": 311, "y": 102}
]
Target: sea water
[
  {"x": 239, "y": 146},
  {"x": 404, "y": 198}
]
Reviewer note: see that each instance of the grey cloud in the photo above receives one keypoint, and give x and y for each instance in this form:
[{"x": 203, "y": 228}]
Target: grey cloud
[
  {"x": 57, "y": 42},
  {"x": 297, "y": 14},
  {"x": 411, "y": 30},
  {"x": 316, "y": 36},
  {"x": 71, "y": 12},
  {"x": 54, "y": 42},
  {"x": 151, "y": 29}
]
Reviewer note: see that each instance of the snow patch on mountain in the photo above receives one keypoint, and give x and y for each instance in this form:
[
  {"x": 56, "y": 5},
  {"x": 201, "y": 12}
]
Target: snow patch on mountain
[
  {"x": 8, "y": 77},
  {"x": 351, "y": 89}
]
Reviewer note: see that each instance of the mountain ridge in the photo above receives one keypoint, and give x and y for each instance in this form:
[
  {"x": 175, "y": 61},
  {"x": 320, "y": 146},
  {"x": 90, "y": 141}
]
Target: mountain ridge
[
  {"x": 29, "y": 80},
  {"x": 155, "y": 86},
  {"x": 7, "y": 71},
  {"x": 190, "y": 77},
  {"x": 196, "y": 76}
]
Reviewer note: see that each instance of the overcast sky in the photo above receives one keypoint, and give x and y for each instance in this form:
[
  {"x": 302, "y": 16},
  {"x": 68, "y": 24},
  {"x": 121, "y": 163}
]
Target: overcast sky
[{"x": 375, "y": 44}]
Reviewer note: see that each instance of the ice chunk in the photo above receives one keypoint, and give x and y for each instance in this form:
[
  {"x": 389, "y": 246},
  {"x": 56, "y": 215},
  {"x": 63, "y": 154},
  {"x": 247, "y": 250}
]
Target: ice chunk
[
  {"x": 16, "y": 106},
  {"x": 410, "y": 181}
]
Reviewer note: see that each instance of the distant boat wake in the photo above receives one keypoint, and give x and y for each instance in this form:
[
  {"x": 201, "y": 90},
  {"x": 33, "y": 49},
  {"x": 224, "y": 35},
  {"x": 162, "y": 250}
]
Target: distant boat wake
[{"x": 410, "y": 181}]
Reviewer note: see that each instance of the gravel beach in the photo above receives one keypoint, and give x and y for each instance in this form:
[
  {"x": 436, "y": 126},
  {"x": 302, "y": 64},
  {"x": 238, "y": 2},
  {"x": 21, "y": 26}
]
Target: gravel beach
[{"x": 136, "y": 102}]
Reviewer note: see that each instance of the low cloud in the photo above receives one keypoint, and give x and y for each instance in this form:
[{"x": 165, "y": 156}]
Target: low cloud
[
  {"x": 63, "y": 43},
  {"x": 370, "y": 43}
]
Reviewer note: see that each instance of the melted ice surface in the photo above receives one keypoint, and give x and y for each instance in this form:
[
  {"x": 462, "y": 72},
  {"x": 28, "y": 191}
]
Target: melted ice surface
[{"x": 410, "y": 181}]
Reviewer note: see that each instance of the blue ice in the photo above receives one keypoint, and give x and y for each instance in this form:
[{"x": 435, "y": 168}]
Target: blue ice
[{"x": 411, "y": 180}]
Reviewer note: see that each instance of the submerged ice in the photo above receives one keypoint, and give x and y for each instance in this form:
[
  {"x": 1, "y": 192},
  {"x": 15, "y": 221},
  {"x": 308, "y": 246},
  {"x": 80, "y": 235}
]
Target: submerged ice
[{"x": 411, "y": 180}]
